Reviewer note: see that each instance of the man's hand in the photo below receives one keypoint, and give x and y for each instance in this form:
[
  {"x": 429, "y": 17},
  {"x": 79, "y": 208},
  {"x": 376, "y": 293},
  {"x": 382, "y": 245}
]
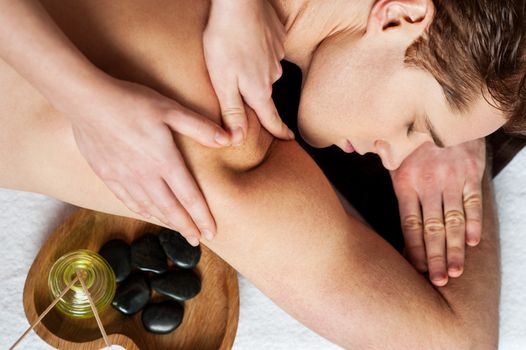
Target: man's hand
[
  {"x": 243, "y": 46},
  {"x": 125, "y": 133},
  {"x": 440, "y": 200}
]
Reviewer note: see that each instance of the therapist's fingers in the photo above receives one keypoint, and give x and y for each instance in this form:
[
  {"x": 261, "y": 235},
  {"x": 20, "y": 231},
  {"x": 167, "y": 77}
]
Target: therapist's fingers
[
  {"x": 233, "y": 112},
  {"x": 124, "y": 196},
  {"x": 455, "y": 231},
  {"x": 268, "y": 115},
  {"x": 435, "y": 238},
  {"x": 185, "y": 188},
  {"x": 197, "y": 127},
  {"x": 140, "y": 197},
  {"x": 412, "y": 228},
  {"x": 147, "y": 198},
  {"x": 173, "y": 211},
  {"x": 473, "y": 209}
]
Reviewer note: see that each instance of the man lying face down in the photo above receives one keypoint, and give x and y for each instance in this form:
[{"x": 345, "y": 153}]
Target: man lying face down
[
  {"x": 418, "y": 71},
  {"x": 407, "y": 72},
  {"x": 386, "y": 76},
  {"x": 279, "y": 222}
]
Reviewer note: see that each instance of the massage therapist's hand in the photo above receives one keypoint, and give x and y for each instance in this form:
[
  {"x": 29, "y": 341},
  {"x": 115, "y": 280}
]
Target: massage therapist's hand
[
  {"x": 125, "y": 134},
  {"x": 440, "y": 200},
  {"x": 243, "y": 46},
  {"x": 123, "y": 130}
]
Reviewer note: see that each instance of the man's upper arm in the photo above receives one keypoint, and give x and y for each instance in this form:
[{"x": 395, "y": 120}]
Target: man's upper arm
[{"x": 282, "y": 226}]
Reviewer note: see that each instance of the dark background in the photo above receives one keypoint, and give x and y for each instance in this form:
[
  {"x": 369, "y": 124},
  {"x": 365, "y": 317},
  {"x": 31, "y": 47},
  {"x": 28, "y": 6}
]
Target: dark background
[{"x": 362, "y": 179}]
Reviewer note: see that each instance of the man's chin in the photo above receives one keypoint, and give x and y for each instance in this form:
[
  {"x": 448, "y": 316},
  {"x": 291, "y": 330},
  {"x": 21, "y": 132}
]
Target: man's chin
[{"x": 312, "y": 139}]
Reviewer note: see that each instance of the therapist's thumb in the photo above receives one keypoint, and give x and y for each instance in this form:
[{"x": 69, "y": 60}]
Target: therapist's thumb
[{"x": 234, "y": 115}]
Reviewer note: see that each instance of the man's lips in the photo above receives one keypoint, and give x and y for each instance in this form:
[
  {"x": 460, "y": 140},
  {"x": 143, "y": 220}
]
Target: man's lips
[{"x": 349, "y": 148}]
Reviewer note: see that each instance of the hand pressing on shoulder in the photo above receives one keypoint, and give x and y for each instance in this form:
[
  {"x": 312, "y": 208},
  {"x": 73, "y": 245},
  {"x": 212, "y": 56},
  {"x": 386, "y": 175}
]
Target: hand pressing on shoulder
[
  {"x": 125, "y": 132},
  {"x": 439, "y": 193},
  {"x": 243, "y": 46}
]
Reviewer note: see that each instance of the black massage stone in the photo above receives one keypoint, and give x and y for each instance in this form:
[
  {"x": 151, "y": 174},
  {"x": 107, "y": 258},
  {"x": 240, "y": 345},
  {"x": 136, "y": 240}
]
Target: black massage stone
[
  {"x": 132, "y": 294},
  {"x": 182, "y": 253},
  {"x": 180, "y": 285},
  {"x": 147, "y": 254},
  {"x": 162, "y": 317},
  {"x": 117, "y": 254}
]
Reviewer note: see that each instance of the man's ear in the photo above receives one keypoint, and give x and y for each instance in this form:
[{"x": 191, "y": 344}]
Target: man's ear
[{"x": 412, "y": 15}]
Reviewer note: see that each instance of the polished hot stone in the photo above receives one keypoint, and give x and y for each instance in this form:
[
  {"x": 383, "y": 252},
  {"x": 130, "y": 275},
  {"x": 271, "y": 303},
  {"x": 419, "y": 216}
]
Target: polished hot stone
[
  {"x": 178, "y": 284},
  {"x": 182, "y": 253},
  {"x": 147, "y": 254},
  {"x": 162, "y": 317},
  {"x": 117, "y": 254},
  {"x": 132, "y": 294}
]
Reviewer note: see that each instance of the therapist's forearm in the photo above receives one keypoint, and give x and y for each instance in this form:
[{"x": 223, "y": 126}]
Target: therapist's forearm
[{"x": 33, "y": 44}]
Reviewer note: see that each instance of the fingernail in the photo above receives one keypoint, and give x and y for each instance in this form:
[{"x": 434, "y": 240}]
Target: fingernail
[
  {"x": 291, "y": 135},
  {"x": 473, "y": 242},
  {"x": 193, "y": 241},
  {"x": 454, "y": 270},
  {"x": 440, "y": 280},
  {"x": 208, "y": 235},
  {"x": 222, "y": 139},
  {"x": 237, "y": 136}
]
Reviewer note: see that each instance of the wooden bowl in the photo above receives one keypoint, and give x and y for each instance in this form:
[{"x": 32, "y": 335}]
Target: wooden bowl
[{"x": 210, "y": 319}]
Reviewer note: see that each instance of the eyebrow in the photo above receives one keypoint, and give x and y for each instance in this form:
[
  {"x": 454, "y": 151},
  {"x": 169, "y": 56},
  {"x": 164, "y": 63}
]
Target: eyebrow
[{"x": 432, "y": 131}]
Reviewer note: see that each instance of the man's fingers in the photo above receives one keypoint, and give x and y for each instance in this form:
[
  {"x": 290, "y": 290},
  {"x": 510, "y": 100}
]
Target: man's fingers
[
  {"x": 183, "y": 185},
  {"x": 278, "y": 70},
  {"x": 435, "y": 239},
  {"x": 411, "y": 217},
  {"x": 197, "y": 127},
  {"x": 233, "y": 113},
  {"x": 473, "y": 210},
  {"x": 269, "y": 118},
  {"x": 455, "y": 231}
]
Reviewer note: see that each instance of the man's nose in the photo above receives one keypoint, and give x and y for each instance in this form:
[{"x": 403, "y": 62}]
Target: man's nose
[{"x": 391, "y": 157}]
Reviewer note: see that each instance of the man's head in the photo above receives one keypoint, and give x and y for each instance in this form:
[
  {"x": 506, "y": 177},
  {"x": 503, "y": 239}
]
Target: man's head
[{"x": 457, "y": 66}]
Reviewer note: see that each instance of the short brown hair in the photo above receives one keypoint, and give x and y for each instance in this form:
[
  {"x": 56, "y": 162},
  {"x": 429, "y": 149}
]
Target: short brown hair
[{"x": 472, "y": 45}]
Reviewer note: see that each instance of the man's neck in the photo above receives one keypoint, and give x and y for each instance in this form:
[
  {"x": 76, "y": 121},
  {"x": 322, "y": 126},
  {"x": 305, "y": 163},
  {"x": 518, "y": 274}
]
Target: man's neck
[{"x": 309, "y": 22}]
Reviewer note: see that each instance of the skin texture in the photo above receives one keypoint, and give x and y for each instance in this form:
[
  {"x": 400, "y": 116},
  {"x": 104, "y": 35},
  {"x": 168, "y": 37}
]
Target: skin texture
[
  {"x": 147, "y": 173},
  {"x": 382, "y": 106},
  {"x": 361, "y": 65},
  {"x": 278, "y": 220},
  {"x": 451, "y": 213},
  {"x": 243, "y": 44}
]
